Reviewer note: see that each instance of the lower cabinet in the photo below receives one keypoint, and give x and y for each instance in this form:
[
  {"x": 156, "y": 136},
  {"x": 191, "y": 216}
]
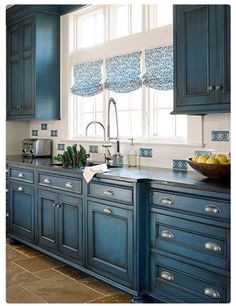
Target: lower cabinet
[
  {"x": 60, "y": 223},
  {"x": 22, "y": 210},
  {"x": 110, "y": 241}
]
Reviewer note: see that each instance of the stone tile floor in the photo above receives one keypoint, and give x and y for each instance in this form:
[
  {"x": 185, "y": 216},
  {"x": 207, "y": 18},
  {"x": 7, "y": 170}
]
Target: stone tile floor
[{"x": 32, "y": 277}]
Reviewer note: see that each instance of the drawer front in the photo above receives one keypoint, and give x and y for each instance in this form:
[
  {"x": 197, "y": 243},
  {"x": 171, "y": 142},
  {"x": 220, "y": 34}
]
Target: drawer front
[
  {"x": 111, "y": 192},
  {"x": 63, "y": 183},
  {"x": 22, "y": 175},
  {"x": 186, "y": 283},
  {"x": 202, "y": 243},
  {"x": 203, "y": 206}
]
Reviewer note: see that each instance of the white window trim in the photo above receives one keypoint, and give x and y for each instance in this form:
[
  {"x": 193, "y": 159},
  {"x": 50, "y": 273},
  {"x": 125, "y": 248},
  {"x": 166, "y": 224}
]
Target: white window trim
[{"x": 162, "y": 35}]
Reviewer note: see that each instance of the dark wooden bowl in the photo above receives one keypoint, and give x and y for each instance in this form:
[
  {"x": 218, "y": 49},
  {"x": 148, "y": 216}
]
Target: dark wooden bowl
[{"x": 218, "y": 171}]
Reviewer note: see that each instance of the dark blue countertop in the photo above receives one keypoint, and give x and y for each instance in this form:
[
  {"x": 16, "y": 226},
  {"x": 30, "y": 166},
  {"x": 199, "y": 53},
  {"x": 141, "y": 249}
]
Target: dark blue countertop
[{"x": 190, "y": 179}]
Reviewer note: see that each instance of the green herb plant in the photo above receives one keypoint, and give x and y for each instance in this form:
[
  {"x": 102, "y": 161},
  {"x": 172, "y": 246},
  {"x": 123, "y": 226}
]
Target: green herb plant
[{"x": 72, "y": 158}]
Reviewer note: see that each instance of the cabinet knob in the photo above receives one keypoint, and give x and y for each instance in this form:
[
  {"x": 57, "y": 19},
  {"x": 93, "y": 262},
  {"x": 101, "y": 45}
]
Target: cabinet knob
[
  {"x": 218, "y": 87},
  {"x": 212, "y": 209},
  {"x": 69, "y": 185},
  {"x": 210, "y": 88},
  {"x": 212, "y": 246},
  {"x": 109, "y": 193},
  {"x": 167, "y": 235},
  {"x": 167, "y": 201},
  {"x": 212, "y": 293},
  {"x": 7, "y": 215},
  {"x": 47, "y": 180},
  {"x": 167, "y": 276},
  {"x": 55, "y": 205},
  {"x": 107, "y": 210},
  {"x": 7, "y": 190},
  {"x": 21, "y": 175},
  {"x": 20, "y": 188}
]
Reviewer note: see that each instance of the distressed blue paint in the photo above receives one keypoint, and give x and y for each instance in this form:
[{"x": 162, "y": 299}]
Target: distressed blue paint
[
  {"x": 44, "y": 126},
  {"x": 180, "y": 164},
  {"x": 34, "y": 132},
  {"x": 61, "y": 147},
  {"x": 220, "y": 136},
  {"x": 145, "y": 152},
  {"x": 93, "y": 149},
  {"x": 54, "y": 133}
]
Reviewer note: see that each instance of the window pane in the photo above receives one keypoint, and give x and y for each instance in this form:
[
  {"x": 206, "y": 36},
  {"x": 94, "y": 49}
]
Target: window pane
[
  {"x": 160, "y": 14},
  {"x": 136, "y": 18},
  {"x": 164, "y": 123},
  {"x": 123, "y": 118},
  {"x": 136, "y": 99},
  {"x": 122, "y": 21},
  {"x": 164, "y": 98},
  {"x": 136, "y": 121},
  {"x": 88, "y": 104}
]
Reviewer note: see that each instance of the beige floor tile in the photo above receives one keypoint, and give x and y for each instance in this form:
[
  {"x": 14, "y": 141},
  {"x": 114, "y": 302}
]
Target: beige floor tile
[
  {"x": 120, "y": 298},
  {"x": 48, "y": 273},
  {"x": 18, "y": 294},
  {"x": 12, "y": 254},
  {"x": 27, "y": 250}
]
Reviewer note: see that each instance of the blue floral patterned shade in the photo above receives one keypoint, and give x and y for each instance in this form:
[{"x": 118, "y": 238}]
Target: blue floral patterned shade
[
  {"x": 87, "y": 79},
  {"x": 123, "y": 73},
  {"x": 159, "y": 68}
]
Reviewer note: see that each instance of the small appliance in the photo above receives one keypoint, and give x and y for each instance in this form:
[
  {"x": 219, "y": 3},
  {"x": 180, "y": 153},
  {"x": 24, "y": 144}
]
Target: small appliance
[{"x": 37, "y": 147}]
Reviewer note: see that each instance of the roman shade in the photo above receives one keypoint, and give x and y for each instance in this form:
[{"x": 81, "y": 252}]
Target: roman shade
[
  {"x": 159, "y": 68},
  {"x": 123, "y": 73},
  {"x": 87, "y": 79}
]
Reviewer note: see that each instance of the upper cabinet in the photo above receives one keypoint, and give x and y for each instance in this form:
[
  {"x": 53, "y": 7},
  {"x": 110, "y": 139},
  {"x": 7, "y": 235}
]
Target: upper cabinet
[
  {"x": 33, "y": 66},
  {"x": 201, "y": 59}
]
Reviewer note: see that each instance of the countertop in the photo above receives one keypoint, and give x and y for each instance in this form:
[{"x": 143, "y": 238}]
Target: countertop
[{"x": 189, "y": 179}]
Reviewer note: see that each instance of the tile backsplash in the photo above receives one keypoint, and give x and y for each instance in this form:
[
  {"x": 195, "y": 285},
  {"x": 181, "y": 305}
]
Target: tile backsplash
[{"x": 216, "y": 138}]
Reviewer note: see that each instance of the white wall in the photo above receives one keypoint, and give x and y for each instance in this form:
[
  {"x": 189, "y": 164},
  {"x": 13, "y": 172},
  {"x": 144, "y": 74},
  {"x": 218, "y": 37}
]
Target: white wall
[{"x": 16, "y": 131}]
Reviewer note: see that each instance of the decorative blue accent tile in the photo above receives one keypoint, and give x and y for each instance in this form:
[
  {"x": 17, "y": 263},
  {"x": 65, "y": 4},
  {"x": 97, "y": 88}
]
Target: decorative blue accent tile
[
  {"x": 54, "y": 133},
  {"x": 145, "y": 152},
  {"x": 93, "y": 149},
  {"x": 44, "y": 126},
  {"x": 34, "y": 132},
  {"x": 180, "y": 164},
  {"x": 61, "y": 147},
  {"x": 220, "y": 135},
  {"x": 201, "y": 153}
]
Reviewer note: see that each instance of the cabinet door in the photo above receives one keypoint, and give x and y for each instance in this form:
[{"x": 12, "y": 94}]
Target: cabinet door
[
  {"x": 14, "y": 96},
  {"x": 110, "y": 242},
  {"x": 22, "y": 210},
  {"x": 70, "y": 226},
  {"x": 223, "y": 55},
  {"x": 28, "y": 83},
  {"x": 47, "y": 219}
]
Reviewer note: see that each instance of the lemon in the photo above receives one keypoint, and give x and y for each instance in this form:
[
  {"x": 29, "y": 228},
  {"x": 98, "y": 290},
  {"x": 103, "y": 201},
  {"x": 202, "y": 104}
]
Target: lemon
[
  {"x": 222, "y": 159},
  {"x": 202, "y": 159},
  {"x": 195, "y": 158},
  {"x": 212, "y": 160}
]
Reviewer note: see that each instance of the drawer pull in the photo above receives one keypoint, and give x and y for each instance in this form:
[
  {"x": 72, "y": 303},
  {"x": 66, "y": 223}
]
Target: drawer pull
[
  {"x": 47, "y": 180},
  {"x": 167, "y": 201},
  {"x": 212, "y": 293},
  {"x": 167, "y": 235},
  {"x": 20, "y": 188},
  {"x": 69, "y": 185},
  {"x": 212, "y": 209},
  {"x": 107, "y": 210},
  {"x": 212, "y": 246},
  {"x": 109, "y": 193},
  {"x": 55, "y": 205},
  {"x": 21, "y": 175},
  {"x": 7, "y": 215},
  {"x": 7, "y": 190},
  {"x": 167, "y": 276}
]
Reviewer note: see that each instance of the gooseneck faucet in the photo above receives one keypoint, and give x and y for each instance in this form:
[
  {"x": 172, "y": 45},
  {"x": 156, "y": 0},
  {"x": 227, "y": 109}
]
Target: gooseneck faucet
[{"x": 112, "y": 100}]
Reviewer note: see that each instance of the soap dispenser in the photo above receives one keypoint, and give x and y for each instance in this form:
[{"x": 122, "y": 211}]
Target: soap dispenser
[{"x": 132, "y": 155}]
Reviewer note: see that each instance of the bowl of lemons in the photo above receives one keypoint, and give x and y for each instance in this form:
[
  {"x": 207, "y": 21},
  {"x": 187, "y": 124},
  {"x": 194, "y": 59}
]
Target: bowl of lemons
[{"x": 213, "y": 166}]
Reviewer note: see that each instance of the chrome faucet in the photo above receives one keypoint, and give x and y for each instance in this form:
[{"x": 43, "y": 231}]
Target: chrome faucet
[
  {"x": 112, "y": 100},
  {"x": 106, "y": 145}
]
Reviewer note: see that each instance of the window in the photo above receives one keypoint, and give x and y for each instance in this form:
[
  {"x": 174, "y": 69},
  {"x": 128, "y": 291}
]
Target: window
[{"x": 143, "y": 114}]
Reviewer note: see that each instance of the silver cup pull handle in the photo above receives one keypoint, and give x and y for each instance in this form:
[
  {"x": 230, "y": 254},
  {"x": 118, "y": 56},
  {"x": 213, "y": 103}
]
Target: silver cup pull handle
[
  {"x": 47, "y": 180},
  {"x": 212, "y": 209},
  {"x": 69, "y": 185},
  {"x": 212, "y": 246},
  {"x": 167, "y": 234},
  {"x": 212, "y": 293},
  {"x": 20, "y": 188},
  {"x": 167, "y": 276},
  {"x": 167, "y": 201},
  {"x": 107, "y": 210},
  {"x": 109, "y": 192},
  {"x": 21, "y": 175}
]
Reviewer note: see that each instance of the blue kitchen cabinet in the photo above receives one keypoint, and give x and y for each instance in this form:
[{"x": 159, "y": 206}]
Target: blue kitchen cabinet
[
  {"x": 201, "y": 59},
  {"x": 22, "y": 210},
  {"x": 60, "y": 223},
  {"x": 110, "y": 241},
  {"x": 33, "y": 65}
]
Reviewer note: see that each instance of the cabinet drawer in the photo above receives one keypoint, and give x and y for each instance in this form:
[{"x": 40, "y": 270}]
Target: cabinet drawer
[
  {"x": 111, "y": 192},
  {"x": 65, "y": 183},
  {"x": 22, "y": 175},
  {"x": 186, "y": 283},
  {"x": 199, "y": 242},
  {"x": 184, "y": 202}
]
